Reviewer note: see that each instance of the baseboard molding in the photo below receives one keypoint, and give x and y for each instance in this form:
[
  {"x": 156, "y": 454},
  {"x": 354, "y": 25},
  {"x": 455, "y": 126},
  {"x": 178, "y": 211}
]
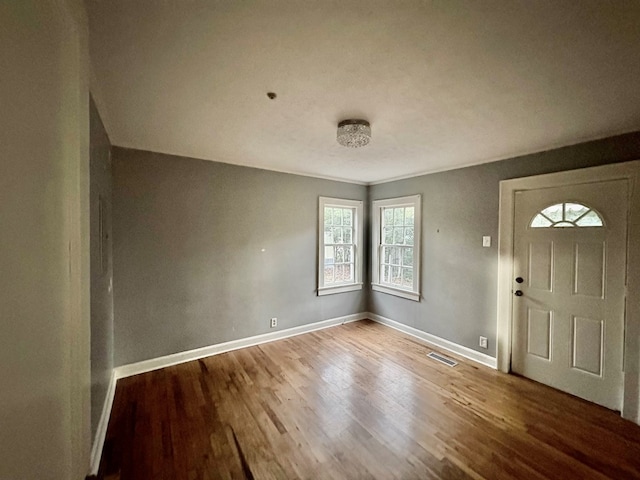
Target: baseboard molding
[
  {"x": 101, "y": 432},
  {"x": 465, "y": 352},
  {"x": 189, "y": 355}
]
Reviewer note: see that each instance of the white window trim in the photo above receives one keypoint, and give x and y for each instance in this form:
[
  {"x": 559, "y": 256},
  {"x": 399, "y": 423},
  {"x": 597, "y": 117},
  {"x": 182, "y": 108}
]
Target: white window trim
[
  {"x": 358, "y": 223},
  {"x": 377, "y": 206}
]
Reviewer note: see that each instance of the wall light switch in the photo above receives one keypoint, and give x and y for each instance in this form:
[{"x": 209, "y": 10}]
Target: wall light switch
[{"x": 486, "y": 241}]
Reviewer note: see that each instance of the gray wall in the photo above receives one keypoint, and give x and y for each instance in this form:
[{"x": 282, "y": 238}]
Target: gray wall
[
  {"x": 459, "y": 207},
  {"x": 44, "y": 159},
  {"x": 101, "y": 266},
  {"x": 189, "y": 269}
]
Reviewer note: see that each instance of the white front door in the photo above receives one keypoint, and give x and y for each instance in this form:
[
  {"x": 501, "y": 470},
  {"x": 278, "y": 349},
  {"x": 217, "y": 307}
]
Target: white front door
[{"x": 569, "y": 282}]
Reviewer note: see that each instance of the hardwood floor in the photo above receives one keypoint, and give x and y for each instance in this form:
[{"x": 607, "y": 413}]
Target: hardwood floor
[{"x": 356, "y": 401}]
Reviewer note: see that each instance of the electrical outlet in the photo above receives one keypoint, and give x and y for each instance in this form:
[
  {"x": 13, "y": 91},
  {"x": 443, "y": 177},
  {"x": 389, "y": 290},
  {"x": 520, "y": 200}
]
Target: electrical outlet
[
  {"x": 274, "y": 322},
  {"x": 486, "y": 241},
  {"x": 483, "y": 342}
]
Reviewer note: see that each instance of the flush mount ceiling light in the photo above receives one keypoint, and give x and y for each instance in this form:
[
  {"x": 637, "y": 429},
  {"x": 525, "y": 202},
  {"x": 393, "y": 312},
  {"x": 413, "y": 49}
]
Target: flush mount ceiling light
[{"x": 354, "y": 133}]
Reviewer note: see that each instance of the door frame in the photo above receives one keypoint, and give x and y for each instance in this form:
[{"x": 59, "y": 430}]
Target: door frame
[{"x": 629, "y": 171}]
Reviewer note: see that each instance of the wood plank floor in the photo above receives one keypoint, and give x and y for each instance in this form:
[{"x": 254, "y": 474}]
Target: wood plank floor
[{"x": 356, "y": 401}]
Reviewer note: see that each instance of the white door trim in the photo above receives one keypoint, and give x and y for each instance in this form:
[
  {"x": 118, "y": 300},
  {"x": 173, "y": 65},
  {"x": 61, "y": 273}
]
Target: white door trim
[{"x": 629, "y": 171}]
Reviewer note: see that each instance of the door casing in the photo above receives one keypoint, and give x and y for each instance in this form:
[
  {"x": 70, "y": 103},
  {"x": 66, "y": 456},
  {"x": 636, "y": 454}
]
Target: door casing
[{"x": 629, "y": 171}]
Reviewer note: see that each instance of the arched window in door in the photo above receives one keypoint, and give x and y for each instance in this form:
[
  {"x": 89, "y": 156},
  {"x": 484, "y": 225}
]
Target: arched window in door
[{"x": 567, "y": 214}]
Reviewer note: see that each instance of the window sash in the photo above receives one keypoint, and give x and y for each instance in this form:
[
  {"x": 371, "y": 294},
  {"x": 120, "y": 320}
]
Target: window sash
[
  {"x": 397, "y": 266},
  {"x": 339, "y": 258}
]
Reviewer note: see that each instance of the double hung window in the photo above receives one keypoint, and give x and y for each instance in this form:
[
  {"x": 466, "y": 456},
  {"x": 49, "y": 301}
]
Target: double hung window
[
  {"x": 340, "y": 245},
  {"x": 396, "y": 246}
]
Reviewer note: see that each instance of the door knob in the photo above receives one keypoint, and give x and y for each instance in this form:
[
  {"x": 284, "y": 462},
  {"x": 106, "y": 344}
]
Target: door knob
[
  {"x": 519, "y": 280},
  {"x": 518, "y": 293}
]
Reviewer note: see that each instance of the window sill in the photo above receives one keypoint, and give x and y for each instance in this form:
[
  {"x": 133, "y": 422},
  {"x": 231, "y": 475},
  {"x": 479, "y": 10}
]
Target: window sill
[
  {"x": 396, "y": 291},
  {"x": 339, "y": 289}
]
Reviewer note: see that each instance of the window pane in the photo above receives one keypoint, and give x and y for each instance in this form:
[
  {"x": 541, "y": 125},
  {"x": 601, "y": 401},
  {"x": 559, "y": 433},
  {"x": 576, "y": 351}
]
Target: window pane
[
  {"x": 398, "y": 216},
  {"x": 388, "y": 216},
  {"x": 328, "y": 274},
  {"x": 339, "y": 254},
  {"x": 337, "y": 216},
  {"x": 393, "y": 256},
  {"x": 540, "y": 222},
  {"x": 348, "y": 254},
  {"x": 573, "y": 211},
  {"x": 395, "y": 276},
  {"x": 388, "y": 235},
  {"x": 348, "y": 232},
  {"x": 398, "y": 235},
  {"x": 386, "y": 255},
  {"x": 554, "y": 212},
  {"x": 339, "y": 274},
  {"x": 328, "y": 235},
  {"x": 329, "y": 258},
  {"x": 347, "y": 216},
  {"x": 407, "y": 277},
  {"x": 408, "y": 236},
  {"x": 348, "y": 272},
  {"x": 337, "y": 235},
  {"x": 397, "y": 256},
  {"x": 386, "y": 271},
  {"x": 591, "y": 219},
  {"x": 408, "y": 216},
  {"x": 328, "y": 216},
  {"x": 407, "y": 257}
]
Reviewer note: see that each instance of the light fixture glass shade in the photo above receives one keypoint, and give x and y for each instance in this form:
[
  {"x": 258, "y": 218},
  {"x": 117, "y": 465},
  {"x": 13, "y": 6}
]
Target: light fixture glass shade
[{"x": 354, "y": 133}]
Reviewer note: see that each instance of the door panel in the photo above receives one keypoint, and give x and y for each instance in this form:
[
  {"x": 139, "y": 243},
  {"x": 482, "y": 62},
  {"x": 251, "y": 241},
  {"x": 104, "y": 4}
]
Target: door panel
[
  {"x": 539, "y": 334},
  {"x": 589, "y": 268},
  {"x": 568, "y": 322},
  {"x": 587, "y": 346},
  {"x": 541, "y": 265}
]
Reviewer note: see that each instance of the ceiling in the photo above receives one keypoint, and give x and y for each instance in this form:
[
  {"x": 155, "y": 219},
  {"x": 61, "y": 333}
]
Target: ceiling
[{"x": 444, "y": 84}]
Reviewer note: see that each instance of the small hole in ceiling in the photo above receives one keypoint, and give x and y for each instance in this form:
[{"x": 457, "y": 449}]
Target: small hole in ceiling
[{"x": 271, "y": 95}]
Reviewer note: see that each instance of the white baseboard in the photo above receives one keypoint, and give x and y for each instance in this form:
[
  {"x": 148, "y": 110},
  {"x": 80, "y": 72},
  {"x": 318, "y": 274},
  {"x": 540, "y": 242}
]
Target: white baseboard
[
  {"x": 189, "y": 355},
  {"x": 465, "y": 352},
  {"x": 101, "y": 432}
]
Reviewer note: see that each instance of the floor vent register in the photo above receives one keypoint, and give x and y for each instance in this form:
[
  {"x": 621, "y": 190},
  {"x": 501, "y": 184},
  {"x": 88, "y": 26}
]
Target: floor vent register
[{"x": 442, "y": 359}]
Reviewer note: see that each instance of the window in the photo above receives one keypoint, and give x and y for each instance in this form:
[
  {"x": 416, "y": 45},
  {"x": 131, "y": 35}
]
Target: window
[
  {"x": 396, "y": 246},
  {"x": 340, "y": 246},
  {"x": 567, "y": 214}
]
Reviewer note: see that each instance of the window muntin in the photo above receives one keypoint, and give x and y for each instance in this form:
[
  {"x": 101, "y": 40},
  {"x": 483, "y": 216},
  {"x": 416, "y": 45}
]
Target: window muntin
[
  {"x": 566, "y": 214},
  {"x": 340, "y": 238},
  {"x": 396, "y": 246}
]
